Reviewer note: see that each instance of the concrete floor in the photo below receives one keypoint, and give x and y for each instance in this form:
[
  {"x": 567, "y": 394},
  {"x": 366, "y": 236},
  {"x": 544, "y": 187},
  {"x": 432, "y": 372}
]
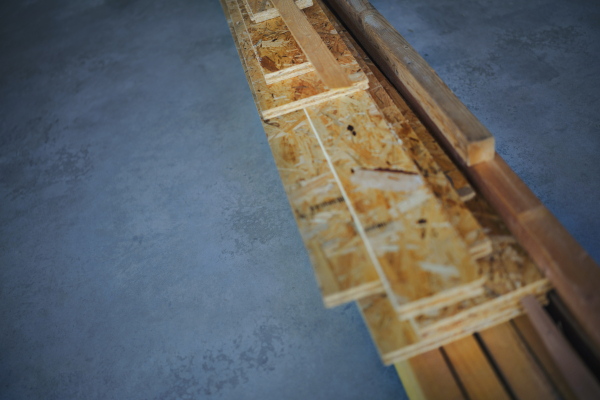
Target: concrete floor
[{"x": 147, "y": 249}]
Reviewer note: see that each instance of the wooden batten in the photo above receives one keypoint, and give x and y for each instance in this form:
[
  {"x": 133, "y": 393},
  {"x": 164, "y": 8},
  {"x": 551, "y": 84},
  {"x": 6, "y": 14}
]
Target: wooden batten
[
  {"x": 263, "y": 10},
  {"x": 418, "y": 81}
]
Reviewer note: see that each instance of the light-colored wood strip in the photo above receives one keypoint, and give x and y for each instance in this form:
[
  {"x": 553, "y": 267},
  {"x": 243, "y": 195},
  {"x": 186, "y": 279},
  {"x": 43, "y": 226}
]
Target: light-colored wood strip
[
  {"x": 341, "y": 264},
  {"x": 518, "y": 366},
  {"x": 263, "y": 10},
  {"x": 475, "y": 373},
  {"x": 428, "y": 377},
  {"x": 418, "y": 254},
  {"x": 580, "y": 380},
  {"x": 293, "y": 94},
  {"x": 311, "y": 44},
  {"x": 537, "y": 347},
  {"x": 417, "y": 80}
]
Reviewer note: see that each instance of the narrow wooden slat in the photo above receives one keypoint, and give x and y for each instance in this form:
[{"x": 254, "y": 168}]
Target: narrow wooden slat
[
  {"x": 474, "y": 371},
  {"x": 537, "y": 347},
  {"x": 518, "y": 366},
  {"x": 410, "y": 72},
  {"x": 580, "y": 380},
  {"x": 428, "y": 377},
  {"x": 420, "y": 257},
  {"x": 314, "y": 48},
  {"x": 572, "y": 271},
  {"x": 263, "y": 10}
]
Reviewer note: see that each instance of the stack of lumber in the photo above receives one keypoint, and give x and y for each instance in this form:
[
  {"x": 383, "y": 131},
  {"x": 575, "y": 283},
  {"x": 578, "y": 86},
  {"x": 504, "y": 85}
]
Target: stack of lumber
[{"x": 387, "y": 219}]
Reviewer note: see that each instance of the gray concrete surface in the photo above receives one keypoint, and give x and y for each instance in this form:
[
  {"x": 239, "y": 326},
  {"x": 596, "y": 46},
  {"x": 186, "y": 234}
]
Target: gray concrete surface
[{"x": 147, "y": 250}]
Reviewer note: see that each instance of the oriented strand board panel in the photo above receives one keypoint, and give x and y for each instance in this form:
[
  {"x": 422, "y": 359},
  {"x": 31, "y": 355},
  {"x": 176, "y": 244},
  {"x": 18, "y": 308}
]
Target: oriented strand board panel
[
  {"x": 447, "y": 183},
  {"x": 262, "y": 10},
  {"x": 339, "y": 258},
  {"x": 517, "y": 365},
  {"x": 421, "y": 259},
  {"x": 292, "y": 94}
]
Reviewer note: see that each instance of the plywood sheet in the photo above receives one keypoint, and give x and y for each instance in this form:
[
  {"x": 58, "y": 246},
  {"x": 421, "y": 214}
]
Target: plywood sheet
[
  {"x": 292, "y": 94},
  {"x": 262, "y": 10}
]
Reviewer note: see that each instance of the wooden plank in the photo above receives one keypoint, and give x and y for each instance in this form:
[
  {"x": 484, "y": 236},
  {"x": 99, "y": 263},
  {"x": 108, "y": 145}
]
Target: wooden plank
[
  {"x": 325, "y": 64},
  {"x": 459, "y": 215},
  {"x": 293, "y": 94},
  {"x": 428, "y": 377},
  {"x": 263, "y": 10},
  {"x": 418, "y": 81},
  {"x": 516, "y": 364},
  {"x": 420, "y": 258},
  {"x": 548, "y": 243},
  {"x": 473, "y": 370},
  {"x": 533, "y": 341},
  {"x": 580, "y": 380}
]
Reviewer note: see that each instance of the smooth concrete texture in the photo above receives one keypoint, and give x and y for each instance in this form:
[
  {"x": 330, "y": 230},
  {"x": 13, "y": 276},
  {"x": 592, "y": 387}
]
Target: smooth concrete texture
[
  {"x": 147, "y": 249},
  {"x": 530, "y": 71}
]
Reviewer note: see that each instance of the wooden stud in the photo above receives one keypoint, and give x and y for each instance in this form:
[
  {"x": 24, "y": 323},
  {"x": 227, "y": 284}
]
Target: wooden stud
[
  {"x": 475, "y": 373},
  {"x": 517, "y": 365}
]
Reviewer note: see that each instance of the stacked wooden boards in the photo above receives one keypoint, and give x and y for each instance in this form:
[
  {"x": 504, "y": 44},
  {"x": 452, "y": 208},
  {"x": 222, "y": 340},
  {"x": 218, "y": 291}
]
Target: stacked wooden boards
[{"x": 381, "y": 221}]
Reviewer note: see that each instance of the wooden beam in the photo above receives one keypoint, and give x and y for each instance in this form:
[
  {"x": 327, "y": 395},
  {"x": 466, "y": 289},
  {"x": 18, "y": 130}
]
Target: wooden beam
[
  {"x": 574, "y": 274},
  {"x": 580, "y": 379},
  {"x": 428, "y": 377},
  {"x": 418, "y": 81},
  {"x": 314, "y": 48},
  {"x": 473, "y": 370},
  {"x": 263, "y": 10},
  {"x": 516, "y": 364}
]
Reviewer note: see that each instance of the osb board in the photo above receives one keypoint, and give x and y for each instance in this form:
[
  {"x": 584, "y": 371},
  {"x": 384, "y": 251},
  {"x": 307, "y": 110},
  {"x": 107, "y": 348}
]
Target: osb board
[
  {"x": 338, "y": 254},
  {"x": 421, "y": 259},
  {"x": 511, "y": 273},
  {"x": 262, "y": 10},
  {"x": 437, "y": 178},
  {"x": 340, "y": 262},
  {"x": 397, "y": 340},
  {"x": 279, "y": 54},
  {"x": 292, "y": 94}
]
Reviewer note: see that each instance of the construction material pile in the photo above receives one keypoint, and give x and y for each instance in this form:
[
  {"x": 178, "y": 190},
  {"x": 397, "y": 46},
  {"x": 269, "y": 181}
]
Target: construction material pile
[{"x": 387, "y": 219}]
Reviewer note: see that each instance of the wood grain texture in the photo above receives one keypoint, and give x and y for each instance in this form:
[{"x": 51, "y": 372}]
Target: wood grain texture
[
  {"x": 417, "y": 80},
  {"x": 474, "y": 371},
  {"x": 324, "y": 63},
  {"x": 419, "y": 255},
  {"x": 339, "y": 259},
  {"x": 295, "y": 93},
  {"x": 263, "y": 10},
  {"x": 518, "y": 366},
  {"x": 536, "y": 346},
  {"x": 548, "y": 243},
  {"x": 428, "y": 377},
  {"x": 580, "y": 379}
]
